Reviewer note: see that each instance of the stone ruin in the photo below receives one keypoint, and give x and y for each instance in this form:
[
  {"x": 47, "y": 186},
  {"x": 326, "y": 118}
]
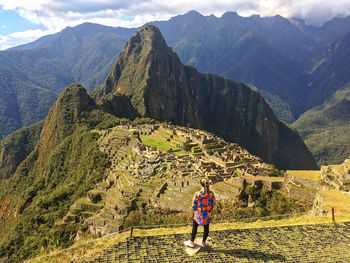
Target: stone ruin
[
  {"x": 337, "y": 176},
  {"x": 143, "y": 178}
]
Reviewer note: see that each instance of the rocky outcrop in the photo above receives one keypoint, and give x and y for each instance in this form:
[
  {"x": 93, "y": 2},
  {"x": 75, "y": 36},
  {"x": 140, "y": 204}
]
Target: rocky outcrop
[{"x": 161, "y": 87}]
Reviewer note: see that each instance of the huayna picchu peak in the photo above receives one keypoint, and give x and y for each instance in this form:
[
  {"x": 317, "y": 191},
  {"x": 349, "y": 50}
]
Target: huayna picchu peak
[{"x": 160, "y": 87}]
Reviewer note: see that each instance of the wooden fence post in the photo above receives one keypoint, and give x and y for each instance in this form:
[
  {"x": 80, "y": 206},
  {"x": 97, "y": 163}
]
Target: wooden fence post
[
  {"x": 333, "y": 214},
  {"x": 131, "y": 230}
]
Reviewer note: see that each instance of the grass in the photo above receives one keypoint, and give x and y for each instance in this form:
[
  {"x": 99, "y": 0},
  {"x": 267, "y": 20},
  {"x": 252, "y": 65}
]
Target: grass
[
  {"x": 335, "y": 198},
  {"x": 306, "y": 174},
  {"x": 87, "y": 246},
  {"x": 160, "y": 144}
]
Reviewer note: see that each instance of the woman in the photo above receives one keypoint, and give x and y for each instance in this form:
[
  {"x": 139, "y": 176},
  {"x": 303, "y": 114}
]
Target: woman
[{"x": 202, "y": 205}]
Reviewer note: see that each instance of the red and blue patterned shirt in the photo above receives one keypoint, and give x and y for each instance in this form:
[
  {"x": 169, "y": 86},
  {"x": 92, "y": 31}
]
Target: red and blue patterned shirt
[{"x": 202, "y": 205}]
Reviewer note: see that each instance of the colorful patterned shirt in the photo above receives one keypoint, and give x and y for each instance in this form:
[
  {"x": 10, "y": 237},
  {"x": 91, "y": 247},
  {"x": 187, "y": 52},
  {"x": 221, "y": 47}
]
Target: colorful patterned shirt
[{"x": 202, "y": 205}]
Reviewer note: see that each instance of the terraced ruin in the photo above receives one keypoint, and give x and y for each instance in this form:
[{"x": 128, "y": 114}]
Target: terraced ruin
[
  {"x": 157, "y": 168},
  {"x": 325, "y": 188},
  {"x": 307, "y": 243}
]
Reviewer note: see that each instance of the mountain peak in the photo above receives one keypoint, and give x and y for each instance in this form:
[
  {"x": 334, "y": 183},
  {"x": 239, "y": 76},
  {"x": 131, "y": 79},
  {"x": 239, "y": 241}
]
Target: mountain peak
[
  {"x": 230, "y": 14},
  {"x": 148, "y": 33},
  {"x": 66, "y": 112},
  {"x": 193, "y": 13},
  {"x": 159, "y": 86},
  {"x": 132, "y": 66}
]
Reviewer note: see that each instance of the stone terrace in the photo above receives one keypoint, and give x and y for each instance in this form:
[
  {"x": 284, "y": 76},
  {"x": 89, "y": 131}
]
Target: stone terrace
[{"x": 307, "y": 243}]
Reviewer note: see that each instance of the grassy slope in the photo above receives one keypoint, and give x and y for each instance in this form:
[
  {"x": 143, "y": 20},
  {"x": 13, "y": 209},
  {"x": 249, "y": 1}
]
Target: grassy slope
[{"x": 325, "y": 128}]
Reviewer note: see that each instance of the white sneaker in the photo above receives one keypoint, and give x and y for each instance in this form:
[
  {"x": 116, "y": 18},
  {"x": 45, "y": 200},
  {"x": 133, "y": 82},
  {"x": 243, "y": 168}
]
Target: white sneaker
[{"x": 189, "y": 243}]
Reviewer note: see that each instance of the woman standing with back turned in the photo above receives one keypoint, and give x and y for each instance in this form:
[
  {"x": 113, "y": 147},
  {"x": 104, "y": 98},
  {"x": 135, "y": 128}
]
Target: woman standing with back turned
[{"x": 202, "y": 205}]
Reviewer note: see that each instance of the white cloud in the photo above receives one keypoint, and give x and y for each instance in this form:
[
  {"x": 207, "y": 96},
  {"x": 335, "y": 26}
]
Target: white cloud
[
  {"x": 19, "y": 38},
  {"x": 57, "y": 14}
]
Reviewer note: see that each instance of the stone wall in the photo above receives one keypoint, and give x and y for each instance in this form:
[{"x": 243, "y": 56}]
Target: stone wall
[
  {"x": 300, "y": 193},
  {"x": 290, "y": 179}
]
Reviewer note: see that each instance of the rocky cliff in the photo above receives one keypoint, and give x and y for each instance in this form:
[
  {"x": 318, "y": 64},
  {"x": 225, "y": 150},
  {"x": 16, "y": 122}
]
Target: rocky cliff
[{"x": 161, "y": 87}]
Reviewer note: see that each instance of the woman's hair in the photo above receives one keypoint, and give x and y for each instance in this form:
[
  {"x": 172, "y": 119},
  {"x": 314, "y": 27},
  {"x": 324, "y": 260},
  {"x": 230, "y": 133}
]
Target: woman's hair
[{"x": 205, "y": 183}]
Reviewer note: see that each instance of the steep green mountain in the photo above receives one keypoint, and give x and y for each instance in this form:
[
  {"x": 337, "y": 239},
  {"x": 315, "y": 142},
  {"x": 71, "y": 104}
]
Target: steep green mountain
[
  {"x": 161, "y": 87},
  {"x": 325, "y": 128},
  {"x": 331, "y": 72},
  {"x": 16, "y": 147},
  {"x": 32, "y": 76},
  {"x": 63, "y": 166}
]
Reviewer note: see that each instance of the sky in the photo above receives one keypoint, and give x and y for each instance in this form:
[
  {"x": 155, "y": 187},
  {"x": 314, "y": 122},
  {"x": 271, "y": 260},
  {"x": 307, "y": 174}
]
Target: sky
[{"x": 23, "y": 21}]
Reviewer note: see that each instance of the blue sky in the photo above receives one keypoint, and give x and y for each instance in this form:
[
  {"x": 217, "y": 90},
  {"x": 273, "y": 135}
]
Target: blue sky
[
  {"x": 23, "y": 21},
  {"x": 11, "y": 22}
]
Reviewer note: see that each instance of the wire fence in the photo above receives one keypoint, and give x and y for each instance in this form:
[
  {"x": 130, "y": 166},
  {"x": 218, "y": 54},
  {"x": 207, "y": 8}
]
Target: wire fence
[{"x": 167, "y": 226}]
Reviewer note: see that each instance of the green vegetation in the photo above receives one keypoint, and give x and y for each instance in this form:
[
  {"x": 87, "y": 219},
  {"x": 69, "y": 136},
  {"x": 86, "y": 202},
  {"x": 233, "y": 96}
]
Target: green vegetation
[
  {"x": 155, "y": 142},
  {"x": 31, "y": 78},
  {"x": 325, "y": 128},
  {"x": 161, "y": 144},
  {"x": 43, "y": 191},
  {"x": 265, "y": 203},
  {"x": 16, "y": 147},
  {"x": 186, "y": 146},
  {"x": 139, "y": 121},
  {"x": 274, "y": 172}
]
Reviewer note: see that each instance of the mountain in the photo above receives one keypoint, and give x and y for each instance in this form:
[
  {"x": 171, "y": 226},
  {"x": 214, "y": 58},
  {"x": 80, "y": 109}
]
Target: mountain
[
  {"x": 284, "y": 60},
  {"x": 325, "y": 128},
  {"x": 16, "y": 147},
  {"x": 64, "y": 164},
  {"x": 270, "y": 54},
  {"x": 252, "y": 50},
  {"x": 331, "y": 72},
  {"x": 161, "y": 87},
  {"x": 32, "y": 75}
]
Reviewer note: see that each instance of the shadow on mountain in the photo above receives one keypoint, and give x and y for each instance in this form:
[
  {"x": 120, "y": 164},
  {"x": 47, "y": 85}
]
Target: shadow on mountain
[{"x": 250, "y": 254}]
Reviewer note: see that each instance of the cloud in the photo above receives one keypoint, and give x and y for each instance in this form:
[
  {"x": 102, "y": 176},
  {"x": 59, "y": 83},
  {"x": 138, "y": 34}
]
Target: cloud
[
  {"x": 19, "y": 38},
  {"x": 314, "y": 12},
  {"x": 57, "y": 14}
]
